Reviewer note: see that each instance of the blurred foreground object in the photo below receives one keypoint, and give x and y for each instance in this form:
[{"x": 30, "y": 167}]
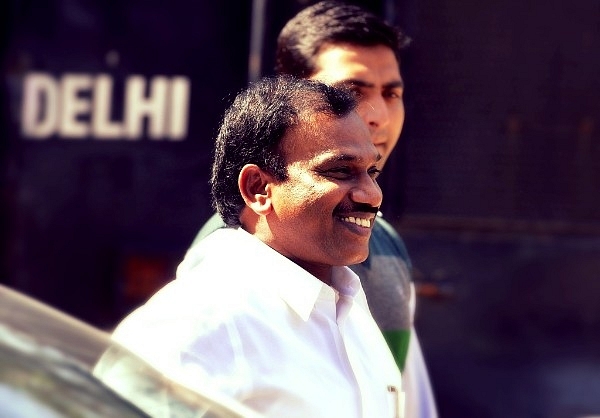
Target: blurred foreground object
[{"x": 46, "y": 364}]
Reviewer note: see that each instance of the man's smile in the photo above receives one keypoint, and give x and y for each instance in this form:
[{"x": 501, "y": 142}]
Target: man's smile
[{"x": 364, "y": 222}]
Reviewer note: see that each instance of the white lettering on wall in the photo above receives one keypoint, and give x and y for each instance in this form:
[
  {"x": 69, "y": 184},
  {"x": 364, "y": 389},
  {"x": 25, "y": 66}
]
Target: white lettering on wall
[
  {"x": 40, "y": 110},
  {"x": 77, "y": 106},
  {"x": 73, "y": 105},
  {"x": 102, "y": 126},
  {"x": 179, "y": 102},
  {"x": 139, "y": 105}
]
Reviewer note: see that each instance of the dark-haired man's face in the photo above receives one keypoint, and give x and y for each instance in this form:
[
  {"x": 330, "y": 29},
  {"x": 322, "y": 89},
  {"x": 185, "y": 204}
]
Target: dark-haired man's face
[
  {"x": 324, "y": 212},
  {"x": 373, "y": 73}
]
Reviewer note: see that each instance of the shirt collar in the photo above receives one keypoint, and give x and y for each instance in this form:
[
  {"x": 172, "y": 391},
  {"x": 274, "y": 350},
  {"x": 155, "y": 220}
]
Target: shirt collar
[{"x": 296, "y": 286}]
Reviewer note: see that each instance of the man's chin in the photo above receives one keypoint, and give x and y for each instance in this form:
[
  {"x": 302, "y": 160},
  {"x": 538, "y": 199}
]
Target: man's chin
[{"x": 357, "y": 259}]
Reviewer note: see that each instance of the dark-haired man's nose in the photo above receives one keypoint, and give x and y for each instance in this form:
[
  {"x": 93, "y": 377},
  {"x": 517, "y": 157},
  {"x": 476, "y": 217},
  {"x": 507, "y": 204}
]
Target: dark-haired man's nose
[{"x": 367, "y": 191}]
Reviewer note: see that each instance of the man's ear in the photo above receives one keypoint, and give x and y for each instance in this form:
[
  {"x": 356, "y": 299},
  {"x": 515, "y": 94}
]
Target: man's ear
[{"x": 254, "y": 185}]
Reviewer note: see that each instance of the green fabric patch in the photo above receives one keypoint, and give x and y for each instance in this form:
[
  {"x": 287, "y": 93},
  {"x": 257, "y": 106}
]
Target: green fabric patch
[{"x": 398, "y": 343}]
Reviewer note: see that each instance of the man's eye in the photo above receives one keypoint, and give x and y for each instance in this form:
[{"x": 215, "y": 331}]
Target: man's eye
[
  {"x": 338, "y": 173},
  {"x": 374, "y": 172},
  {"x": 343, "y": 171},
  {"x": 393, "y": 94}
]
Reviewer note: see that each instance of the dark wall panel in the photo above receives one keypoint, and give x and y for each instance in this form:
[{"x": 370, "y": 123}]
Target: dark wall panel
[
  {"x": 503, "y": 116},
  {"x": 92, "y": 186}
]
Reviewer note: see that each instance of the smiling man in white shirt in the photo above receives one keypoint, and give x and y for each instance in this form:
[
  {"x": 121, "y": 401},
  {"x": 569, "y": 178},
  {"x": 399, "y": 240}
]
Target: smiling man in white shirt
[
  {"x": 265, "y": 310},
  {"x": 347, "y": 46}
]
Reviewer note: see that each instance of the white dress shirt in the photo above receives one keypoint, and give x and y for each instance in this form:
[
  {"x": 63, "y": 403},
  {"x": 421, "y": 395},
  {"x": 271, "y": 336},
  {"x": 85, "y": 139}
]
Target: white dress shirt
[{"x": 244, "y": 320}]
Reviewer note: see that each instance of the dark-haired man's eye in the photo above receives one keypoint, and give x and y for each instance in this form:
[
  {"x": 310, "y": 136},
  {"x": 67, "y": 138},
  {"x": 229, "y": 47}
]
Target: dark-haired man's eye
[
  {"x": 374, "y": 172},
  {"x": 393, "y": 94}
]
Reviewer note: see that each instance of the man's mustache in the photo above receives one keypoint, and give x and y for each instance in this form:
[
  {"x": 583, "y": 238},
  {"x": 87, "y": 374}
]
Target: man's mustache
[{"x": 356, "y": 207}]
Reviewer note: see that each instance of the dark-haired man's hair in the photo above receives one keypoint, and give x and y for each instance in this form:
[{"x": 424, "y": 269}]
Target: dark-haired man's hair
[
  {"x": 253, "y": 127},
  {"x": 330, "y": 22}
]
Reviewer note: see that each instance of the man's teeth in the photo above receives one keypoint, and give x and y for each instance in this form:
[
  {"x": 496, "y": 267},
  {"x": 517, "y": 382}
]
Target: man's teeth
[{"x": 358, "y": 221}]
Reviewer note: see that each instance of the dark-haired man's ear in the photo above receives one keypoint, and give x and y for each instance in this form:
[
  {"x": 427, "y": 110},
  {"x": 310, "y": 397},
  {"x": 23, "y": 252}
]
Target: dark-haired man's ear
[{"x": 254, "y": 187}]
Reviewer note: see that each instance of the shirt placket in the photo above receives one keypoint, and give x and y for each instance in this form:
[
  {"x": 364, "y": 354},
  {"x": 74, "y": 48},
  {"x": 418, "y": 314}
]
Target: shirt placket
[{"x": 343, "y": 306}]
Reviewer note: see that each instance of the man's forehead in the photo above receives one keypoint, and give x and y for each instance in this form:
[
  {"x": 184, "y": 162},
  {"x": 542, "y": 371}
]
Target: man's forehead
[
  {"x": 310, "y": 125},
  {"x": 320, "y": 133},
  {"x": 356, "y": 64}
]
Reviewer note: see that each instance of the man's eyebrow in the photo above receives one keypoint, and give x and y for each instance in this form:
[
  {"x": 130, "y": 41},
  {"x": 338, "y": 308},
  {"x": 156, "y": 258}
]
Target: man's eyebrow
[
  {"x": 344, "y": 157},
  {"x": 338, "y": 158},
  {"x": 394, "y": 84},
  {"x": 353, "y": 82},
  {"x": 347, "y": 157}
]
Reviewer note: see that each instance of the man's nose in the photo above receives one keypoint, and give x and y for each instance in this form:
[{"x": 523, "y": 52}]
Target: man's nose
[
  {"x": 374, "y": 112},
  {"x": 367, "y": 191}
]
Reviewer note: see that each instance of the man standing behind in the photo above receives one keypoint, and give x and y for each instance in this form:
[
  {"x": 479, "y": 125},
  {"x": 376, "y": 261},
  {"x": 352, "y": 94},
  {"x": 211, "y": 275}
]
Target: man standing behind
[
  {"x": 344, "y": 45},
  {"x": 264, "y": 310}
]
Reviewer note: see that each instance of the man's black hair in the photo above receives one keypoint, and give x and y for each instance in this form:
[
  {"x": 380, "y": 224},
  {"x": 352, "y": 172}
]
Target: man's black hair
[{"x": 330, "y": 22}]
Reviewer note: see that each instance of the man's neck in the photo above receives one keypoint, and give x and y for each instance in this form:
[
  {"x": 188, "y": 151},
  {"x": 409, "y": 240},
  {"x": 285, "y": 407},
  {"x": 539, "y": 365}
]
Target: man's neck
[{"x": 320, "y": 271}]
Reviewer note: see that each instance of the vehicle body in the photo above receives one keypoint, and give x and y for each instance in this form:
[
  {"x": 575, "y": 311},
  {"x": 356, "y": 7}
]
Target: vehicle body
[{"x": 48, "y": 361}]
